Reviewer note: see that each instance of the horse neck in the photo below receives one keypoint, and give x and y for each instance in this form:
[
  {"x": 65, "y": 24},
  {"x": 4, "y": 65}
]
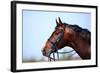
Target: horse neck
[{"x": 79, "y": 45}]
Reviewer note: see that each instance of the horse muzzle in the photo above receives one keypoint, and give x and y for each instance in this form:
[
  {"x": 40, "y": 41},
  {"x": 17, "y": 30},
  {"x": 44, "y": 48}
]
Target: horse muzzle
[{"x": 47, "y": 53}]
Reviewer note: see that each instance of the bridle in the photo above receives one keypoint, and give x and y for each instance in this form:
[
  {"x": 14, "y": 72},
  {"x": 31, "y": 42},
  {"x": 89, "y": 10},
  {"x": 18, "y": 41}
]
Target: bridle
[{"x": 55, "y": 48}]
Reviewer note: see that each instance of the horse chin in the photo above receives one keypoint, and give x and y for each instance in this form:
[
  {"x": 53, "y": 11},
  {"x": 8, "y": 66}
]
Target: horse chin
[{"x": 48, "y": 53}]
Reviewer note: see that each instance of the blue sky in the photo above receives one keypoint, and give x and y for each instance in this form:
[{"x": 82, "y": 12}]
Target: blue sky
[{"x": 39, "y": 25}]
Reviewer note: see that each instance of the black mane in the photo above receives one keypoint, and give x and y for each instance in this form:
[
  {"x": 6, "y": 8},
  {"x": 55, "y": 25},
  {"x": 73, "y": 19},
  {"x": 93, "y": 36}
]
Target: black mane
[
  {"x": 77, "y": 28},
  {"x": 85, "y": 33}
]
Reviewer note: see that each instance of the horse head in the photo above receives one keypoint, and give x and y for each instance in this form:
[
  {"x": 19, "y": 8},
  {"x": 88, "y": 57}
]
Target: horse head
[{"x": 57, "y": 40}]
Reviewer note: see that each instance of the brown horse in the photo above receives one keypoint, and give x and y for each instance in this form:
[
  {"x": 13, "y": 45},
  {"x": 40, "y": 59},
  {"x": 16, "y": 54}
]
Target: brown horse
[{"x": 69, "y": 35}]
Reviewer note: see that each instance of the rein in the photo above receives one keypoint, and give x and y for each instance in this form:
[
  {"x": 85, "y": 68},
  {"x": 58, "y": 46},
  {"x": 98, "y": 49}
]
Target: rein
[{"x": 50, "y": 58}]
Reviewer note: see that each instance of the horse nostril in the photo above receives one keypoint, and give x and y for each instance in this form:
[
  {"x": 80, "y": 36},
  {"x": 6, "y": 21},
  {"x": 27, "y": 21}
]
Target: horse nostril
[{"x": 43, "y": 52}]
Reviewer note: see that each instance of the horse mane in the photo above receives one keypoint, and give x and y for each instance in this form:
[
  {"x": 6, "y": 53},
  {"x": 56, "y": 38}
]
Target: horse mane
[{"x": 84, "y": 33}]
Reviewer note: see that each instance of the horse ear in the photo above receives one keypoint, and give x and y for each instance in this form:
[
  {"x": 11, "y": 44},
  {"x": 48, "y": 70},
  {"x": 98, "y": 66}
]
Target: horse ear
[
  {"x": 57, "y": 22},
  {"x": 60, "y": 22}
]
